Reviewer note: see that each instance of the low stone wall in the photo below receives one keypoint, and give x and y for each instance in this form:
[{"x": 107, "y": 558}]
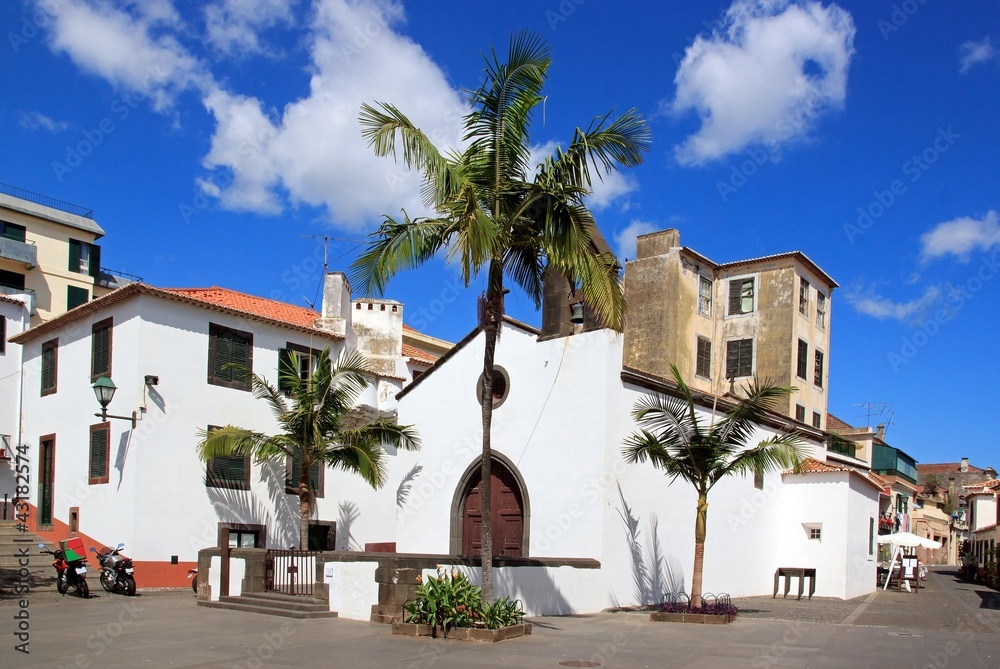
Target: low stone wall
[{"x": 395, "y": 579}]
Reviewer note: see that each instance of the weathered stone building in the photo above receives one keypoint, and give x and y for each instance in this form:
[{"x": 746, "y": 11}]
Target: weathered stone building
[{"x": 722, "y": 324}]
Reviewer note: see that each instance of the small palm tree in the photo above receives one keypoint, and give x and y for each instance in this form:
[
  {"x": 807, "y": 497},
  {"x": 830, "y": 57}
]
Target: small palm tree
[
  {"x": 317, "y": 426},
  {"x": 675, "y": 439},
  {"x": 493, "y": 215}
]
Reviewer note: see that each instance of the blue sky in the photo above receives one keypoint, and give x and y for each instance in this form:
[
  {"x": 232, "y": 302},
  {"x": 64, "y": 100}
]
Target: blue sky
[{"x": 210, "y": 137}]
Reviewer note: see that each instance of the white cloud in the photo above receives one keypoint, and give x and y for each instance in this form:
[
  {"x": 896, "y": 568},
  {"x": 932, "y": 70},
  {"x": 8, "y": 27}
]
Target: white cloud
[
  {"x": 310, "y": 151},
  {"x": 39, "y": 121},
  {"x": 233, "y": 27},
  {"x": 764, "y": 77},
  {"x": 960, "y": 237},
  {"x": 612, "y": 187},
  {"x": 871, "y": 304},
  {"x": 314, "y": 150},
  {"x": 625, "y": 238},
  {"x": 132, "y": 51},
  {"x": 973, "y": 53}
]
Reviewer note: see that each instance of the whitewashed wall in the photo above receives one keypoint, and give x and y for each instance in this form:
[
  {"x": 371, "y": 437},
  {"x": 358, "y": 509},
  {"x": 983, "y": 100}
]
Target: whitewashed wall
[
  {"x": 563, "y": 424},
  {"x": 16, "y": 317}
]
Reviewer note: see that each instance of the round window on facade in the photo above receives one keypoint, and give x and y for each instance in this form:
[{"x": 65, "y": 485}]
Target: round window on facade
[{"x": 501, "y": 386}]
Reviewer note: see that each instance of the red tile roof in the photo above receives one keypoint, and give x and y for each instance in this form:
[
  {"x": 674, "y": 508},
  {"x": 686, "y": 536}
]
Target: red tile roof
[
  {"x": 414, "y": 354},
  {"x": 5, "y": 298},
  {"x": 947, "y": 468},
  {"x": 250, "y": 304},
  {"x": 834, "y": 424},
  {"x": 814, "y": 466}
]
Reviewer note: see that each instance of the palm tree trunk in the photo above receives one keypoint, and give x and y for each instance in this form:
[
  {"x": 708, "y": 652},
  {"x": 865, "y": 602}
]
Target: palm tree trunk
[
  {"x": 701, "y": 519},
  {"x": 491, "y": 326},
  {"x": 305, "y": 506}
]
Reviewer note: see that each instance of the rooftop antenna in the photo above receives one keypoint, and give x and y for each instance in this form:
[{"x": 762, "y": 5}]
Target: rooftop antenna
[
  {"x": 326, "y": 240},
  {"x": 878, "y": 408}
]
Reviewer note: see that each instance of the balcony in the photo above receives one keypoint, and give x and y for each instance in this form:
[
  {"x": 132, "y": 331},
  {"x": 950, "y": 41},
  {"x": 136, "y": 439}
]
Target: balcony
[
  {"x": 7, "y": 290},
  {"x": 19, "y": 251}
]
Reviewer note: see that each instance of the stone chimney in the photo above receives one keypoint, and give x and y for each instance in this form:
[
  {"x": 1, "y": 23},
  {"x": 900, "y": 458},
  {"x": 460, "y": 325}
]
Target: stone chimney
[
  {"x": 657, "y": 243},
  {"x": 880, "y": 431},
  {"x": 964, "y": 467},
  {"x": 335, "y": 315},
  {"x": 378, "y": 325}
]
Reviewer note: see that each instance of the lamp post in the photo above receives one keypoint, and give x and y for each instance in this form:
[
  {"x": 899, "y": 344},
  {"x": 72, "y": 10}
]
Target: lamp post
[{"x": 104, "y": 390}]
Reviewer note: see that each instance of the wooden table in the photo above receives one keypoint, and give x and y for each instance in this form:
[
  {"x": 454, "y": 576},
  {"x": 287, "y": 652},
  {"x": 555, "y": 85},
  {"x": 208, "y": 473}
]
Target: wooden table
[{"x": 802, "y": 573}]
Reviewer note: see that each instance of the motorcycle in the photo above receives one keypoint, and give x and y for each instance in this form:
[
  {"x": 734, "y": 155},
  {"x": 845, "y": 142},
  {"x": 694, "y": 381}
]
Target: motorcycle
[
  {"x": 193, "y": 575},
  {"x": 72, "y": 572},
  {"x": 116, "y": 570}
]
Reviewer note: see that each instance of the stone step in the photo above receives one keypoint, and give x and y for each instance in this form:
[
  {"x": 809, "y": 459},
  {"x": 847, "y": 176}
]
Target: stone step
[
  {"x": 267, "y": 610},
  {"x": 281, "y": 597},
  {"x": 382, "y": 613},
  {"x": 277, "y": 604}
]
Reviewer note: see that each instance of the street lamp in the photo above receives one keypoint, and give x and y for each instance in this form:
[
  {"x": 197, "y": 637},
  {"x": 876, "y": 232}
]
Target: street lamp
[{"x": 104, "y": 390}]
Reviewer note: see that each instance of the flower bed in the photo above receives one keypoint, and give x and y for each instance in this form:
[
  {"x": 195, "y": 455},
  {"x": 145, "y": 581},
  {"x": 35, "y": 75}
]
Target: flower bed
[
  {"x": 715, "y": 611},
  {"x": 451, "y": 605}
]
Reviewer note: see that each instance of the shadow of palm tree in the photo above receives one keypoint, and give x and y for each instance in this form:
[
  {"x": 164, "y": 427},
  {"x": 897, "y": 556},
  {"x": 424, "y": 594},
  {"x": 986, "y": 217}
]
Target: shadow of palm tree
[
  {"x": 406, "y": 485},
  {"x": 348, "y": 513}
]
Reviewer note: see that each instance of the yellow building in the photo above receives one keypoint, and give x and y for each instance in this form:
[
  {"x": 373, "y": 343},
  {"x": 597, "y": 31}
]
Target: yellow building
[
  {"x": 723, "y": 323},
  {"x": 48, "y": 250}
]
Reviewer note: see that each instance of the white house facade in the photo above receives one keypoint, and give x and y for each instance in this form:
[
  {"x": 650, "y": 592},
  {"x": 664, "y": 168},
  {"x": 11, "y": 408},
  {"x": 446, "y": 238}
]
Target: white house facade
[
  {"x": 167, "y": 352},
  {"x": 15, "y": 310}
]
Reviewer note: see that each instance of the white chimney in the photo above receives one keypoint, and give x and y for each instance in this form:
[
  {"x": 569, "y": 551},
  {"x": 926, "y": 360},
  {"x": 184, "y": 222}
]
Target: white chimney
[
  {"x": 965, "y": 465},
  {"x": 335, "y": 315}
]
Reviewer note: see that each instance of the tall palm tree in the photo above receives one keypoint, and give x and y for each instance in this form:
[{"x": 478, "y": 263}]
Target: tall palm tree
[
  {"x": 675, "y": 439},
  {"x": 317, "y": 426},
  {"x": 491, "y": 215}
]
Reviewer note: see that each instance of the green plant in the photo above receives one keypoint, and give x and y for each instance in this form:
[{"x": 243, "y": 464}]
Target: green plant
[
  {"x": 451, "y": 600},
  {"x": 503, "y": 612},
  {"x": 316, "y": 419},
  {"x": 445, "y": 601},
  {"x": 495, "y": 213},
  {"x": 684, "y": 445}
]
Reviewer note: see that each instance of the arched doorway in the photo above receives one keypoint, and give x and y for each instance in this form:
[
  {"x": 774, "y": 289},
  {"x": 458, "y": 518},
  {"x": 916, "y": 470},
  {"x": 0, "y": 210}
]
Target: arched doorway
[{"x": 510, "y": 511}]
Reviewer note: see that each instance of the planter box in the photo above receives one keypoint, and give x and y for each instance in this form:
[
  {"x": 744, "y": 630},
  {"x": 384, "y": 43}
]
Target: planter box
[
  {"x": 463, "y": 633},
  {"x": 700, "y": 618}
]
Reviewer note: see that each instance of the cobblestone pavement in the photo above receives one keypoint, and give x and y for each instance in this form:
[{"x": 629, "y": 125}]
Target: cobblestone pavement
[{"x": 949, "y": 624}]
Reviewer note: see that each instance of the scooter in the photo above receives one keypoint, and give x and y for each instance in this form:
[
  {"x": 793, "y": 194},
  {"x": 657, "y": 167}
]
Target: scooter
[
  {"x": 193, "y": 575},
  {"x": 116, "y": 570},
  {"x": 71, "y": 573}
]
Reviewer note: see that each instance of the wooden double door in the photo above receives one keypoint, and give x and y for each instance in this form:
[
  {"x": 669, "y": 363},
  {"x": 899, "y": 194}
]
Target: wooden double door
[{"x": 507, "y": 511}]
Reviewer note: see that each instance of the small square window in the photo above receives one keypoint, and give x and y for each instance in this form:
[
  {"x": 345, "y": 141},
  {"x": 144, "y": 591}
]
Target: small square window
[
  {"x": 230, "y": 357},
  {"x": 815, "y": 533}
]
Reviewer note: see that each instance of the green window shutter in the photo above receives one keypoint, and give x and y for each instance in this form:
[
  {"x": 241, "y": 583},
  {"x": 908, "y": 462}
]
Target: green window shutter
[
  {"x": 294, "y": 470},
  {"x": 49, "y": 362},
  {"x": 99, "y": 454},
  {"x": 802, "y": 363},
  {"x": 223, "y": 357},
  {"x": 95, "y": 260},
  {"x": 240, "y": 369},
  {"x": 100, "y": 351},
  {"x": 74, "y": 255},
  {"x": 76, "y": 296},
  {"x": 734, "y": 296}
]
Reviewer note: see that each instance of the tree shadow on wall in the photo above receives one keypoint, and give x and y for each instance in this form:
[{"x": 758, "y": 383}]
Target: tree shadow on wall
[
  {"x": 654, "y": 573},
  {"x": 242, "y": 507},
  {"x": 349, "y": 513},
  {"x": 406, "y": 485}
]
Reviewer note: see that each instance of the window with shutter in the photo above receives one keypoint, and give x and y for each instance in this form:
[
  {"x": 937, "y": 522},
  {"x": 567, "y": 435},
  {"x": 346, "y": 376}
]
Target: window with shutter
[
  {"x": 703, "y": 365},
  {"x": 802, "y": 361},
  {"x": 293, "y": 471},
  {"x": 803, "y": 297},
  {"x": 740, "y": 296},
  {"x": 704, "y": 296},
  {"x": 821, "y": 310},
  {"x": 50, "y": 363},
  {"x": 228, "y": 471},
  {"x": 100, "y": 454},
  {"x": 739, "y": 358},
  {"x": 817, "y": 420},
  {"x": 818, "y": 370},
  {"x": 76, "y": 296},
  {"x": 11, "y": 280},
  {"x": 100, "y": 349},
  {"x": 230, "y": 357},
  {"x": 306, "y": 358},
  {"x": 13, "y": 231},
  {"x": 3, "y": 335},
  {"x": 800, "y": 413}
]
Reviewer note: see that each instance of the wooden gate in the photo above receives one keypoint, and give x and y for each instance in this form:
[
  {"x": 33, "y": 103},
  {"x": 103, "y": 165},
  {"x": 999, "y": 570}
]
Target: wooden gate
[{"x": 291, "y": 572}]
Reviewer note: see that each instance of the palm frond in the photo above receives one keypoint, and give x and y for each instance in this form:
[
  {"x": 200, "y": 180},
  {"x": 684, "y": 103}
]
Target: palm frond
[{"x": 396, "y": 246}]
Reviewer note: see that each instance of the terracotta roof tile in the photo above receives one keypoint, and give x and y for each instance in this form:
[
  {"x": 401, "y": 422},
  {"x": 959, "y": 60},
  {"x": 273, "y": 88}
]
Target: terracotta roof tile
[
  {"x": 947, "y": 468},
  {"x": 6, "y": 298},
  {"x": 250, "y": 304},
  {"x": 834, "y": 424},
  {"x": 414, "y": 354},
  {"x": 814, "y": 466}
]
